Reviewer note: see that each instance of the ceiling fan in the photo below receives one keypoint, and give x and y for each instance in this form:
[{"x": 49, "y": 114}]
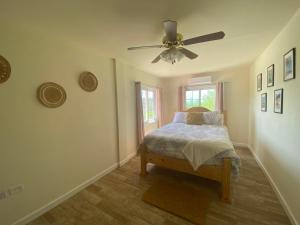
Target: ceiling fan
[{"x": 174, "y": 43}]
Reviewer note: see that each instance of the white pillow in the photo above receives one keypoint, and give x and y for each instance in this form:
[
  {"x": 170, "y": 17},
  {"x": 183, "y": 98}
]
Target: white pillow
[
  {"x": 180, "y": 117},
  {"x": 213, "y": 118}
]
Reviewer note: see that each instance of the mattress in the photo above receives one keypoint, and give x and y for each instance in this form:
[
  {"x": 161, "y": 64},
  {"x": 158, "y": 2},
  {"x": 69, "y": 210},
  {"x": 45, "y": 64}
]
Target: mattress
[{"x": 199, "y": 144}]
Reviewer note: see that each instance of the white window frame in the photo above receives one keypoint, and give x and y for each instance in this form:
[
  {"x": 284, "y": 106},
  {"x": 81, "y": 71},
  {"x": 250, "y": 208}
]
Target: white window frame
[
  {"x": 198, "y": 87},
  {"x": 154, "y": 90}
]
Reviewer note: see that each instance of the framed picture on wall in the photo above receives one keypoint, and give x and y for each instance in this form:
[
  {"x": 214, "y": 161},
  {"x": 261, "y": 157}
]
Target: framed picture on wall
[
  {"x": 259, "y": 82},
  {"x": 278, "y": 101},
  {"x": 289, "y": 65},
  {"x": 263, "y": 102},
  {"x": 270, "y": 76}
]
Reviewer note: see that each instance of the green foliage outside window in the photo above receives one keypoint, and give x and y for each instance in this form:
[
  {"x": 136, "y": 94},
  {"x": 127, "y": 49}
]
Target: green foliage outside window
[
  {"x": 200, "y": 97},
  {"x": 149, "y": 105}
]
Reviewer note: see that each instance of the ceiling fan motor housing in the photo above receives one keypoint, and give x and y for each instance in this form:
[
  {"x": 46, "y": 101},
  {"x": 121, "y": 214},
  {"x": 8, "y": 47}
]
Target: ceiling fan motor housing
[{"x": 170, "y": 44}]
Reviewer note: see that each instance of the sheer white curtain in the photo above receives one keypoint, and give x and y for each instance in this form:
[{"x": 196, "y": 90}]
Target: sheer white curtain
[
  {"x": 220, "y": 97},
  {"x": 139, "y": 112}
]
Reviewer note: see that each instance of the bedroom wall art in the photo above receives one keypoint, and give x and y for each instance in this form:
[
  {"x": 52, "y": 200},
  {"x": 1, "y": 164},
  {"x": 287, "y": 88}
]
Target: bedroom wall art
[
  {"x": 88, "y": 81},
  {"x": 5, "y": 69},
  {"x": 289, "y": 65},
  {"x": 51, "y": 94},
  {"x": 259, "y": 82},
  {"x": 270, "y": 76},
  {"x": 264, "y": 101},
  {"x": 278, "y": 101}
]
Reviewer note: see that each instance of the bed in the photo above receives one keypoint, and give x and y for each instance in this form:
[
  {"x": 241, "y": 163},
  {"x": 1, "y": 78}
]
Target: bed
[{"x": 185, "y": 155}]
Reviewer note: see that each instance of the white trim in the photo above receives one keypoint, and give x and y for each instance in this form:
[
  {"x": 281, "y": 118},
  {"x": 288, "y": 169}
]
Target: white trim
[
  {"x": 275, "y": 188},
  {"x": 36, "y": 213},
  {"x": 238, "y": 144},
  {"x": 128, "y": 157}
]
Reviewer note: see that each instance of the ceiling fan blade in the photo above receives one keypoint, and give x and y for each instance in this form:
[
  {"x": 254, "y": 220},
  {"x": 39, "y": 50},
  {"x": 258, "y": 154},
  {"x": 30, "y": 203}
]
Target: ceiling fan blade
[
  {"x": 171, "y": 29},
  {"x": 156, "y": 59},
  {"x": 204, "y": 38},
  {"x": 143, "y": 47},
  {"x": 188, "y": 53}
]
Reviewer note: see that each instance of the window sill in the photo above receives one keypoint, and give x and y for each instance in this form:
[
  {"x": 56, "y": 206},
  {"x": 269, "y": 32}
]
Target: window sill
[{"x": 150, "y": 123}]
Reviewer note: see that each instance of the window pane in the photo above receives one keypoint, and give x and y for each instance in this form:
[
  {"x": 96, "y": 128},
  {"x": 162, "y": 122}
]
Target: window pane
[
  {"x": 188, "y": 103},
  {"x": 149, "y": 104},
  {"x": 189, "y": 94},
  {"x": 144, "y": 101},
  {"x": 196, "y": 103},
  {"x": 150, "y": 94},
  {"x": 200, "y": 97},
  {"x": 144, "y": 94},
  {"x": 208, "y": 98},
  {"x": 195, "y": 94},
  {"x": 150, "y": 109},
  {"x": 204, "y": 93}
]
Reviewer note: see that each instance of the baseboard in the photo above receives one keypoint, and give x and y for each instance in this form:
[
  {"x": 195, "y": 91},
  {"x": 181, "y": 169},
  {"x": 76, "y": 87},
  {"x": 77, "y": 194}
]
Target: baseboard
[
  {"x": 242, "y": 145},
  {"x": 33, "y": 215},
  {"x": 130, "y": 156},
  {"x": 276, "y": 190}
]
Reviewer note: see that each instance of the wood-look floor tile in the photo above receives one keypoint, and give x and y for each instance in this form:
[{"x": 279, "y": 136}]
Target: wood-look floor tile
[{"x": 115, "y": 199}]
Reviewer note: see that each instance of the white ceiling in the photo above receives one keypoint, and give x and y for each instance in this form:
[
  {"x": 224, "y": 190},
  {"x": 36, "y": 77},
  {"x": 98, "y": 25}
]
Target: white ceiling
[{"x": 110, "y": 26}]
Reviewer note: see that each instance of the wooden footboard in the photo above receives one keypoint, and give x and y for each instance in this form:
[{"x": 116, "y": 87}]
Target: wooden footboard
[{"x": 219, "y": 173}]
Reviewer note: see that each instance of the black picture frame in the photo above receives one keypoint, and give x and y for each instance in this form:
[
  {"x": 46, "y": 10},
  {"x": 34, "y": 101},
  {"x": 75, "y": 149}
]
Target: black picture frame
[
  {"x": 289, "y": 65},
  {"x": 259, "y": 82},
  {"x": 270, "y": 75},
  {"x": 278, "y": 101},
  {"x": 264, "y": 102}
]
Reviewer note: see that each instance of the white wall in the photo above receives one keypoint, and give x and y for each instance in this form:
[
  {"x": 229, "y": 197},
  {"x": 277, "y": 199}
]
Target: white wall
[
  {"x": 275, "y": 137},
  {"x": 126, "y": 78},
  {"x": 236, "y": 99}
]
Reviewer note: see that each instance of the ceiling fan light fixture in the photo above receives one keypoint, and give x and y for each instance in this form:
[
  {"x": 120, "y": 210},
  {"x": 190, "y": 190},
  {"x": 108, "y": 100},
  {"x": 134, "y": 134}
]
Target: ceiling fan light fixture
[
  {"x": 171, "y": 55},
  {"x": 175, "y": 44}
]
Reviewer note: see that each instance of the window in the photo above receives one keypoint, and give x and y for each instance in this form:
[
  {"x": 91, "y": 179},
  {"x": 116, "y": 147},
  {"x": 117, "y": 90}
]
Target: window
[
  {"x": 149, "y": 104},
  {"x": 200, "y": 96}
]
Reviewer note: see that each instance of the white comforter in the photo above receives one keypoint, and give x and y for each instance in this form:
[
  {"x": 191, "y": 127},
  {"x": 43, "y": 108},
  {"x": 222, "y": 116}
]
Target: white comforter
[{"x": 205, "y": 144}]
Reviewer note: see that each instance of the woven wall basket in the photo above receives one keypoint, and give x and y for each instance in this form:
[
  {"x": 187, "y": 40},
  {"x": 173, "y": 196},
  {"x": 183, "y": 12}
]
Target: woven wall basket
[
  {"x": 51, "y": 95},
  {"x": 5, "y": 69},
  {"x": 88, "y": 81}
]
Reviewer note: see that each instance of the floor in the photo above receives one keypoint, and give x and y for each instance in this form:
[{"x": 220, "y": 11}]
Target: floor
[{"x": 116, "y": 200}]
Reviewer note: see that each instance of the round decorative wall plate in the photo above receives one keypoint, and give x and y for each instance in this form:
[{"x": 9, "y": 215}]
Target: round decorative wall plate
[
  {"x": 51, "y": 94},
  {"x": 5, "y": 69},
  {"x": 88, "y": 81}
]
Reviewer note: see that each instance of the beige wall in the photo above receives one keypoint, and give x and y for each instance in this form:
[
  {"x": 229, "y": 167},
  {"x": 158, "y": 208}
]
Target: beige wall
[
  {"x": 236, "y": 99},
  {"x": 275, "y": 137},
  {"x": 126, "y": 78},
  {"x": 51, "y": 151}
]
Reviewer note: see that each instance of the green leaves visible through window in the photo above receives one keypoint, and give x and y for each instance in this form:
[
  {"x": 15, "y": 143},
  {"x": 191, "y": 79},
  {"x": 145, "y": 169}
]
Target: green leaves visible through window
[
  {"x": 200, "y": 96},
  {"x": 149, "y": 104}
]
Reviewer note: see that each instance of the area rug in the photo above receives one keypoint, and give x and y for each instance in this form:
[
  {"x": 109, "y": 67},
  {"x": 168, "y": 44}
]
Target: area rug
[{"x": 181, "y": 199}]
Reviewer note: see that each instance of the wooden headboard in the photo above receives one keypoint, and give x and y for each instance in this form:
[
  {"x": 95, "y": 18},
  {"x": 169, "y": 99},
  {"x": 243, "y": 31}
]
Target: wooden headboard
[
  {"x": 202, "y": 109},
  {"x": 197, "y": 109}
]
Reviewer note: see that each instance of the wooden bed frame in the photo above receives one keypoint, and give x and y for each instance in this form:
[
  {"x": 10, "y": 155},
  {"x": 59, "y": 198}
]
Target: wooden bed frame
[{"x": 219, "y": 173}]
